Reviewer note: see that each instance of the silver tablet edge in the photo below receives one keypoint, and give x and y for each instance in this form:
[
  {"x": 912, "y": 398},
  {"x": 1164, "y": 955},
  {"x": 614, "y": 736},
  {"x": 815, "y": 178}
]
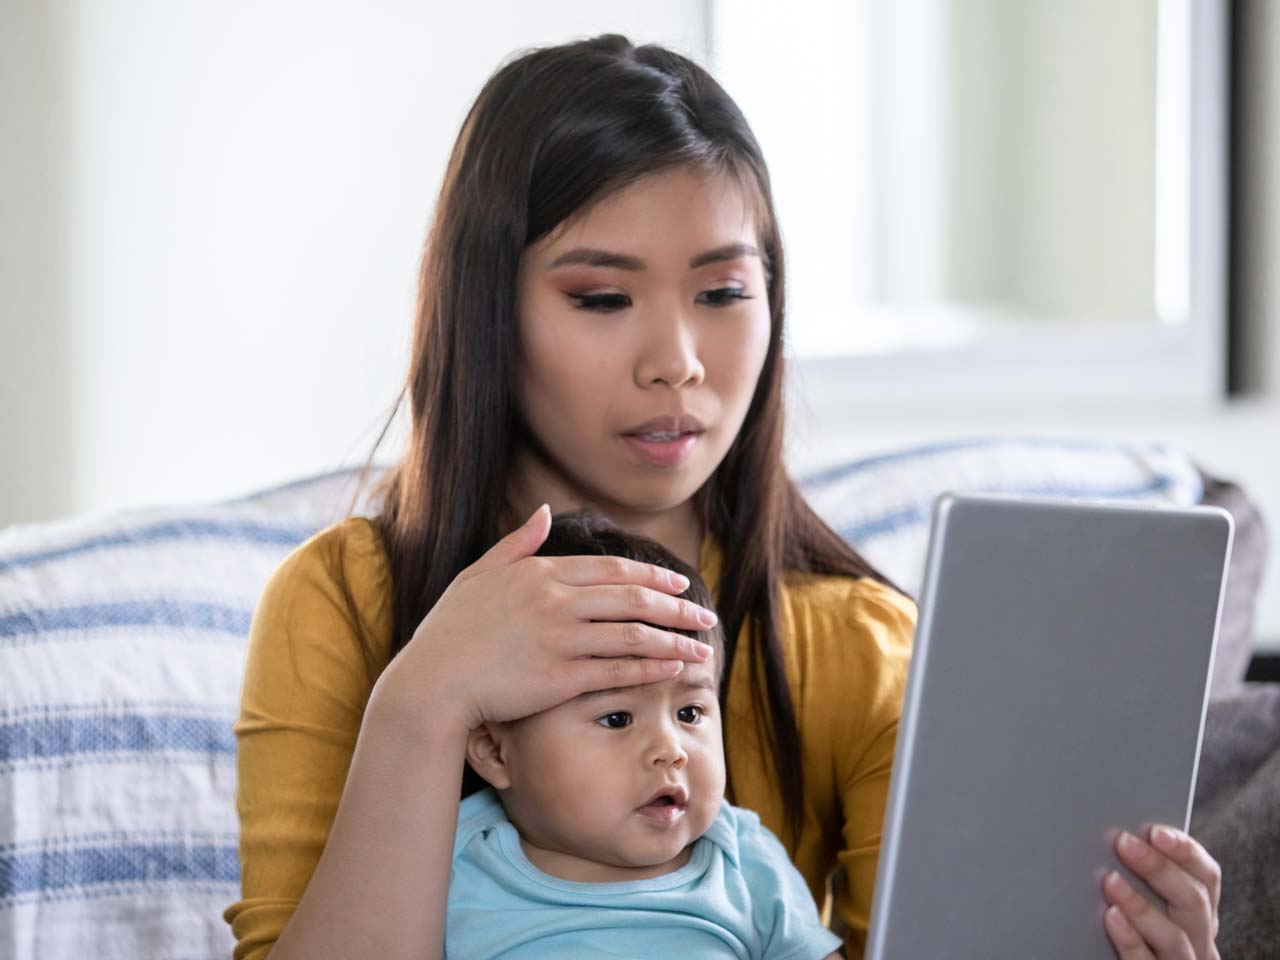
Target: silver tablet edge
[
  {"x": 906, "y": 735},
  {"x": 1213, "y": 655}
]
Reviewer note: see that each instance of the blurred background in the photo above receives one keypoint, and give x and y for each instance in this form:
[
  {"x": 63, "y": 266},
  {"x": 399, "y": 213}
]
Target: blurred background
[{"x": 1056, "y": 218}]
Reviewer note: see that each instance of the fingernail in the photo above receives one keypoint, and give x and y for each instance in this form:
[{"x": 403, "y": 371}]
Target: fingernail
[
  {"x": 1129, "y": 843},
  {"x": 1115, "y": 881},
  {"x": 1163, "y": 838},
  {"x": 680, "y": 581},
  {"x": 707, "y": 618},
  {"x": 704, "y": 650}
]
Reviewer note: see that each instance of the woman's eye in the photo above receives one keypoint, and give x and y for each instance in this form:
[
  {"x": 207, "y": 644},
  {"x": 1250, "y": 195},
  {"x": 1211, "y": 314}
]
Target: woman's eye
[
  {"x": 615, "y": 721},
  {"x": 689, "y": 714},
  {"x": 725, "y": 296},
  {"x": 601, "y": 302},
  {"x": 612, "y": 302}
]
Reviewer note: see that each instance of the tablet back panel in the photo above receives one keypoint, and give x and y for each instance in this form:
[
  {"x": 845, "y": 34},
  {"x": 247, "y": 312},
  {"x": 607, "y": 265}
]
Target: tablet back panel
[{"x": 1056, "y": 695}]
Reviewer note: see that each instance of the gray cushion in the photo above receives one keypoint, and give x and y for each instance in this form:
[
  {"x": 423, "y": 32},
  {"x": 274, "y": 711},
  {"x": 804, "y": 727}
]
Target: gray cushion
[
  {"x": 1237, "y": 819},
  {"x": 1244, "y": 576}
]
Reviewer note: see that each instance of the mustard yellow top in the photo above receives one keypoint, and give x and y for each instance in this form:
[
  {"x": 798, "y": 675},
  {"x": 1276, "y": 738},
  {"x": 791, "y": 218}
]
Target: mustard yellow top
[{"x": 306, "y": 684}]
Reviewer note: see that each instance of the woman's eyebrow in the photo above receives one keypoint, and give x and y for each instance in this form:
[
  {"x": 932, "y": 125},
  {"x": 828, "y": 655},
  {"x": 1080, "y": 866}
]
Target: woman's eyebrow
[
  {"x": 730, "y": 251},
  {"x": 594, "y": 257}
]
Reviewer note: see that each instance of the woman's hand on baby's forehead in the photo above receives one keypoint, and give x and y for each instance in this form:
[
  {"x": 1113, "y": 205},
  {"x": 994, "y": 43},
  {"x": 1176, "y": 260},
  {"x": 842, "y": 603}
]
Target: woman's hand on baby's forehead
[
  {"x": 515, "y": 634},
  {"x": 586, "y": 571},
  {"x": 615, "y": 588}
]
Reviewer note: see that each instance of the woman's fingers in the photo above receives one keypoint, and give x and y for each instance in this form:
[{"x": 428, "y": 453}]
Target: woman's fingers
[
  {"x": 1127, "y": 941},
  {"x": 1188, "y": 927},
  {"x": 519, "y": 543},
  {"x": 1190, "y": 906},
  {"x": 593, "y": 674},
  {"x": 586, "y": 571},
  {"x": 633, "y": 602},
  {"x": 541, "y": 629},
  {"x": 1155, "y": 930},
  {"x": 633, "y": 639},
  {"x": 1183, "y": 850}
]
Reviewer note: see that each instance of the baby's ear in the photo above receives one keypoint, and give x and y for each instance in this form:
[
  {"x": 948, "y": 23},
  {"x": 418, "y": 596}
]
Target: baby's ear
[{"x": 484, "y": 753}]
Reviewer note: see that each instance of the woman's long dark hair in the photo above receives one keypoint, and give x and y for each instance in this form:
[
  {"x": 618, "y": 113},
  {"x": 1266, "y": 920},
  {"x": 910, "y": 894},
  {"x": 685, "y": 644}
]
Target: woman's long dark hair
[{"x": 552, "y": 132}]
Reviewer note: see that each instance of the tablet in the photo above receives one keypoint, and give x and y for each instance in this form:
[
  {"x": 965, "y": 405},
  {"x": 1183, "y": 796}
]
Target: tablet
[{"x": 1056, "y": 696}]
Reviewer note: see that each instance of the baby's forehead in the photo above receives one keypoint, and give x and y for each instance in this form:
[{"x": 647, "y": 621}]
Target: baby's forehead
[{"x": 695, "y": 678}]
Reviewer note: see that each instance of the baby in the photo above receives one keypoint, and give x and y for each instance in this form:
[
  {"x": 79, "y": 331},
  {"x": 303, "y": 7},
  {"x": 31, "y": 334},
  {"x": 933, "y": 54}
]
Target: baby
[{"x": 605, "y": 832}]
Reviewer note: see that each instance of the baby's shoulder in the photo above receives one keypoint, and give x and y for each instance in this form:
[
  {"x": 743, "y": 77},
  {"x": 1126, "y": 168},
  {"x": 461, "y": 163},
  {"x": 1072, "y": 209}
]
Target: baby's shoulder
[
  {"x": 770, "y": 890},
  {"x": 743, "y": 840},
  {"x": 477, "y": 815}
]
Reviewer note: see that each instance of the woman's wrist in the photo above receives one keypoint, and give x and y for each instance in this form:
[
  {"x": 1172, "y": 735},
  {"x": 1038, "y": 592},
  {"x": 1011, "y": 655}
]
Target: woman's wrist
[
  {"x": 382, "y": 883},
  {"x": 430, "y": 717}
]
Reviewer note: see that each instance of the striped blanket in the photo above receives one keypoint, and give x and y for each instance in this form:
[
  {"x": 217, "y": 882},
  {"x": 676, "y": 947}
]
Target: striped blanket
[{"x": 121, "y": 651}]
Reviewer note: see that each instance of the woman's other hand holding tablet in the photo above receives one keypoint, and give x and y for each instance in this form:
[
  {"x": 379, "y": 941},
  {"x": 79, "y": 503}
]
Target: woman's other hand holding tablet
[
  {"x": 515, "y": 634},
  {"x": 1181, "y": 871}
]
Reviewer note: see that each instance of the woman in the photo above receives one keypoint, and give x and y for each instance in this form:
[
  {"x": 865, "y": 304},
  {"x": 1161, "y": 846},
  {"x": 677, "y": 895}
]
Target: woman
[{"x": 600, "y": 323}]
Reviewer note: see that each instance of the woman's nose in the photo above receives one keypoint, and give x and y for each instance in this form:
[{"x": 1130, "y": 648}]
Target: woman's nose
[{"x": 670, "y": 354}]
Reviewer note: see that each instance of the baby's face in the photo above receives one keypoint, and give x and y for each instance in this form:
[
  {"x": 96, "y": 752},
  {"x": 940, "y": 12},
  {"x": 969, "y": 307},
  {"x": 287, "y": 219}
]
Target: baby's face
[{"x": 626, "y": 777}]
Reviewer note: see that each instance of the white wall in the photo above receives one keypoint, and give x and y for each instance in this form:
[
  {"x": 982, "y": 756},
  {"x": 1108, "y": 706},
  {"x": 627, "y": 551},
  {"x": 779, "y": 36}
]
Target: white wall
[
  {"x": 1238, "y": 439},
  {"x": 211, "y": 216},
  {"x": 211, "y": 219}
]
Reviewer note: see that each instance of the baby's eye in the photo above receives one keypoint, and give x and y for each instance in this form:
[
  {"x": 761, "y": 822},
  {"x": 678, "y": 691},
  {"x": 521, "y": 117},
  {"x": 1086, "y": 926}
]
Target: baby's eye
[
  {"x": 615, "y": 721},
  {"x": 725, "y": 296},
  {"x": 689, "y": 714}
]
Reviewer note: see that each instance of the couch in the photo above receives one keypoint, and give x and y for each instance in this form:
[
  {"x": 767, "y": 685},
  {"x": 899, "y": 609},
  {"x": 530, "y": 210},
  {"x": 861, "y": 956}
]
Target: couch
[{"x": 121, "y": 650}]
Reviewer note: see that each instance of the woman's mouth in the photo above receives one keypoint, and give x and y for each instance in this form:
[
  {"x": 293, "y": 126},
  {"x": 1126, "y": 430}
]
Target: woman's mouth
[
  {"x": 662, "y": 449},
  {"x": 665, "y": 440}
]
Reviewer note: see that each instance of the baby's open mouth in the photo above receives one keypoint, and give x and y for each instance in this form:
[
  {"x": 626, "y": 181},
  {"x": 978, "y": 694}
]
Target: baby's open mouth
[{"x": 666, "y": 805}]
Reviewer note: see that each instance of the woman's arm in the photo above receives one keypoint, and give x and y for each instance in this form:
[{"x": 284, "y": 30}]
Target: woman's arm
[
  {"x": 348, "y": 796},
  {"x": 382, "y": 883}
]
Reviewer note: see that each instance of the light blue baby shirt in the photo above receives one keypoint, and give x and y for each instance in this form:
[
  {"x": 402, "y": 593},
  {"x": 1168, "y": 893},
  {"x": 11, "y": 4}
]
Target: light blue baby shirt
[{"x": 738, "y": 896}]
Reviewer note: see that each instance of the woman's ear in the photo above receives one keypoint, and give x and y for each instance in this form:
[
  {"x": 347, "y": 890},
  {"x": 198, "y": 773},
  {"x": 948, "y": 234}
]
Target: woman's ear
[{"x": 484, "y": 753}]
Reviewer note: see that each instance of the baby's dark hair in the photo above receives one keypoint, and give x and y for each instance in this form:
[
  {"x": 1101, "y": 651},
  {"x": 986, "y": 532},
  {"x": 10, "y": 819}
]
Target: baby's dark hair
[{"x": 586, "y": 532}]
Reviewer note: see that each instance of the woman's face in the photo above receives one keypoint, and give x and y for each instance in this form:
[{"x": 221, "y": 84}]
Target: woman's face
[{"x": 650, "y": 304}]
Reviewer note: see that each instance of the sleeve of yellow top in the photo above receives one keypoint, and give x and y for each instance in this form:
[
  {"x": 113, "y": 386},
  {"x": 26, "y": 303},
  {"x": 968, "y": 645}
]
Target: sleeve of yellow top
[
  {"x": 883, "y": 626},
  {"x": 306, "y": 685}
]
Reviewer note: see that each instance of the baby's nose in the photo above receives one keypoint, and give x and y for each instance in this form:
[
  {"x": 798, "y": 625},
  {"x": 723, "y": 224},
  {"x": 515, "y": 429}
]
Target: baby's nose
[{"x": 669, "y": 753}]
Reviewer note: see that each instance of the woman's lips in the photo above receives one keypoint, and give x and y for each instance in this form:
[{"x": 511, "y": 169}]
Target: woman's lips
[{"x": 663, "y": 453}]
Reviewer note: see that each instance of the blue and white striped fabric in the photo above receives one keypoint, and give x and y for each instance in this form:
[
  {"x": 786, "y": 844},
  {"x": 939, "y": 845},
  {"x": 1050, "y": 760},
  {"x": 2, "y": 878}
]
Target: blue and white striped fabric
[
  {"x": 883, "y": 504},
  {"x": 122, "y": 644},
  {"x": 121, "y": 655}
]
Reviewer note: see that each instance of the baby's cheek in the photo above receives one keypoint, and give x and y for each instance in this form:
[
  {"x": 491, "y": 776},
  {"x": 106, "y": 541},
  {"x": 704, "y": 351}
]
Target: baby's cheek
[
  {"x": 582, "y": 780},
  {"x": 709, "y": 783},
  {"x": 712, "y": 762}
]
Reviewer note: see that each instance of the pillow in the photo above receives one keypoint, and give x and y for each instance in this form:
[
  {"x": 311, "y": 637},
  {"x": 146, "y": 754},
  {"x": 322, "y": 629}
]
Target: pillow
[
  {"x": 122, "y": 647},
  {"x": 1244, "y": 579},
  {"x": 126, "y": 633},
  {"x": 883, "y": 504}
]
